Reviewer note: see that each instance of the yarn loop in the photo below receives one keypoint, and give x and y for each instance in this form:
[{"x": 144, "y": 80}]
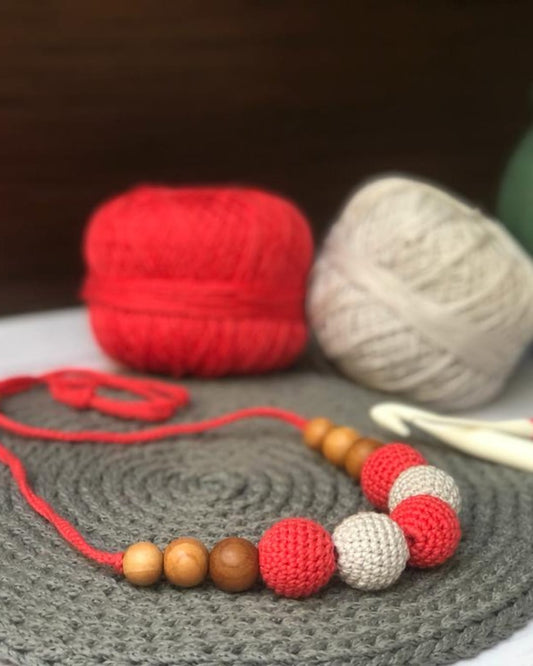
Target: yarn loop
[{"x": 79, "y": 389}]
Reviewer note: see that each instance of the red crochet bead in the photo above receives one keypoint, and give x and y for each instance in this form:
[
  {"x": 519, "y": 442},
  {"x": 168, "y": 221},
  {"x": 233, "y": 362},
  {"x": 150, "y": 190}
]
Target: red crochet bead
[
  {"x": 382, "y": 468},
  {"x": 296, "y": 557},
  {"x": 431, "y": 527}
]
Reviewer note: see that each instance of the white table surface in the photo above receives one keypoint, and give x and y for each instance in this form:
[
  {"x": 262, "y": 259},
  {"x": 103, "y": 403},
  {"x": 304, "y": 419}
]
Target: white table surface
[{"x": 34, "y": 343}]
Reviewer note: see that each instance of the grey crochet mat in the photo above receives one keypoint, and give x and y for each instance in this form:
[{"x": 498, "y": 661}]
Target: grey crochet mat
[{"x": 58, "y": 608}]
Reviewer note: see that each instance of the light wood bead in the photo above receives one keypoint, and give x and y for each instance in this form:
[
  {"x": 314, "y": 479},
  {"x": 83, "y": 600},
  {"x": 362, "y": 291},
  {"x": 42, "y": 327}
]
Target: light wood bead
[
  {"x": 315, "y": 431},
  {"x": 357, "y": 454},
  {"x": 186, "y": 562},
  {"x": 337, "y": 443},
  {"x": 234, "y": 564},
  {"x": 143, "y": 563}
]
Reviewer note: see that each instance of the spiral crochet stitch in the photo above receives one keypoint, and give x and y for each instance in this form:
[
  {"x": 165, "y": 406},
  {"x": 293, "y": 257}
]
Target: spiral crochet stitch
[
  {"x": 418, "y": 294},
  {"x": 59, "y": 609},
  {"x": 203, "y": 281}
]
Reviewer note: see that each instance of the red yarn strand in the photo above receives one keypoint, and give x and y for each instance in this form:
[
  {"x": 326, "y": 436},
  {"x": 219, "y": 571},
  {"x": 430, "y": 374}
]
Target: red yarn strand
[
  {"x": 78, "y": 388},
  {"x": 41, "y": 506},
  {"x": 150, "y": 434}
]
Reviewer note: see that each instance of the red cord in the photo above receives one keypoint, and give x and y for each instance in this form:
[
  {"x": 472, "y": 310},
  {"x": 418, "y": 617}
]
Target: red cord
[{"x": 79, "y": 389}]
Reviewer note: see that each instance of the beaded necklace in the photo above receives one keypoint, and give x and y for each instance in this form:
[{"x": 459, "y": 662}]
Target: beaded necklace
[{"x": 295, "y": 557}]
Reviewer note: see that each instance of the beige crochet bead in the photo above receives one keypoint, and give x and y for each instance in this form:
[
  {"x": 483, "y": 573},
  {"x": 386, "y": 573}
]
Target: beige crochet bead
[
  {"x": 425, "y": 480},
  {"x": 371, "y": 550}
]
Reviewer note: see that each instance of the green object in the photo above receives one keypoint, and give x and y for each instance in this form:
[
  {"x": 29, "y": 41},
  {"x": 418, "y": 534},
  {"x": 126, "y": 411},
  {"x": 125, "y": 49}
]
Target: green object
[{"x": 515, "y": 202}]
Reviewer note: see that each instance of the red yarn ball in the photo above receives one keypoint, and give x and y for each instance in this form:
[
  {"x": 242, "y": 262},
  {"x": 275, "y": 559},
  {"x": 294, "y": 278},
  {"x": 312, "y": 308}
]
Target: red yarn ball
[
  {"x": 296, "y": 557},
  {"x": 382, "y": 468},
  {"x": 203, "y": 281},
  {"x": 431, "y": 527}
]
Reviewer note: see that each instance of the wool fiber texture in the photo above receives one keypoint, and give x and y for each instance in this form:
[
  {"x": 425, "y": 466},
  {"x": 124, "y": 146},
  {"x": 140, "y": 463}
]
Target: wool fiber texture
[
  {"x": 203, "y": 281},
  {"x": 417, "y": 294}
]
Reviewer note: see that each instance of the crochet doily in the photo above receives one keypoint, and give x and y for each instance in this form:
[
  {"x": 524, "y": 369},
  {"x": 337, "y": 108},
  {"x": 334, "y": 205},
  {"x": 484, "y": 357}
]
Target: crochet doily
[{"x": 58, "y": 608}]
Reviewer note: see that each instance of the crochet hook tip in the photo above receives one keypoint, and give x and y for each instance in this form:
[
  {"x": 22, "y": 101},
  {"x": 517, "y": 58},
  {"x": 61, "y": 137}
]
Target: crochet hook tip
[{"x": 387, "y": 416}]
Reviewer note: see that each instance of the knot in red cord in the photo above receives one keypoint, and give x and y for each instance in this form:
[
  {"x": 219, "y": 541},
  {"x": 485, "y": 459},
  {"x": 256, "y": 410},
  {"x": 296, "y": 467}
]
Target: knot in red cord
[
  {"x": 75, "y": 389},
  {"x": 79, "y": 389}
]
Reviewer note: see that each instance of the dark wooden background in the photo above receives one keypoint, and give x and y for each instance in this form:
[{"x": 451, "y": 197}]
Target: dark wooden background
[{"x": 306, "y": 97}]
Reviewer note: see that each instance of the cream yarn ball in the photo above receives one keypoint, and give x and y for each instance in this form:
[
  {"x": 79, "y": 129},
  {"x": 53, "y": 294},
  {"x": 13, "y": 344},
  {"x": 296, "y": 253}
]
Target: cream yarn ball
[
  {"x": 371, "y": 550},
  {"x": 418, "y": 294},
  {"x": 425, "y": 480}
]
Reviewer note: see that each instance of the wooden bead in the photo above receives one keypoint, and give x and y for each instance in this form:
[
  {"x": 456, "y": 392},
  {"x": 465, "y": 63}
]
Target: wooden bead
[
  {"x": 234, "y": 564},
  {"x": 186, "y": 561},
  {"x": 143, "y": 563},
  {"x": 315, "y": 431},
  {"x": 357, "y": 454},
  {"x": 337, "y": 443}
]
